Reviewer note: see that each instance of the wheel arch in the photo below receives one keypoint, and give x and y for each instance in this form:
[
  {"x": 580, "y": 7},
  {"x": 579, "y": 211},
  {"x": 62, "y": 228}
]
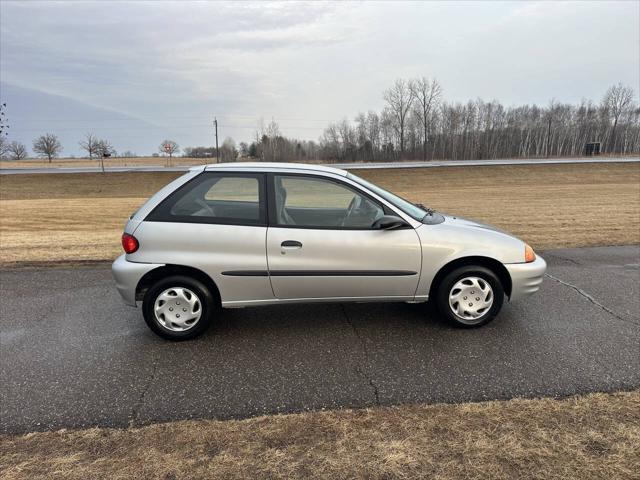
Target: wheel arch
[
  {"x": 152, "y": 276},
  {"x": 491, "y": 263}
]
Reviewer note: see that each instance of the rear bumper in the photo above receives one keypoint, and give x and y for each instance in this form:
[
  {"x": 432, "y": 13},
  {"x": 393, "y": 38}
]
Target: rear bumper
[
  {"x": 526, "y": 278},
  {"x": 127, "y": 275}
]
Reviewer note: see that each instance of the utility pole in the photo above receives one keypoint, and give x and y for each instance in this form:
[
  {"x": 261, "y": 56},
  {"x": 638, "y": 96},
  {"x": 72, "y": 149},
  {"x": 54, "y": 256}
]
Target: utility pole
[{"x": 215, "y": 123}]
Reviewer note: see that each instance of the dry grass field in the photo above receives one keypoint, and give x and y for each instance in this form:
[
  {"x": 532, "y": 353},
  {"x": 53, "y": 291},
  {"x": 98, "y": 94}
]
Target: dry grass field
[
  {"x": 548, "y": 206},
  {"x": 592, "y": 437},
  {"x": 78, "y": 217}
]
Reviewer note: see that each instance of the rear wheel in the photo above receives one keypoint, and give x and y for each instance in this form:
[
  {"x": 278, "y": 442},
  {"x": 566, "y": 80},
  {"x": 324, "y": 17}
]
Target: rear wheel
[
  {"x": 178, "y": 308},
  {"x": 470, "y": 296}
]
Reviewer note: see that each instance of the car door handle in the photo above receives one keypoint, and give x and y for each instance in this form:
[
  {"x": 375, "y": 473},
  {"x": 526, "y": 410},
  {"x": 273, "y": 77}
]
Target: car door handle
[{"x": 291, "y": 244}]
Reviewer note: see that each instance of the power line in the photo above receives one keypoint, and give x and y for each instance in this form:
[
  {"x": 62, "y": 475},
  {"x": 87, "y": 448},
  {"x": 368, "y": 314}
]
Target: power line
[
  {"x": 202, "y": 125},
  {"x": 215, "y": 122},
  {"x": 171, "y": 117}
]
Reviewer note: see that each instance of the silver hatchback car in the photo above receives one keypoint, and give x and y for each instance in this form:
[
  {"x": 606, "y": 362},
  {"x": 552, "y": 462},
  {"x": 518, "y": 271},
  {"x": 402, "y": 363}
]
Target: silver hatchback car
[{"x": 248, "y": 234}]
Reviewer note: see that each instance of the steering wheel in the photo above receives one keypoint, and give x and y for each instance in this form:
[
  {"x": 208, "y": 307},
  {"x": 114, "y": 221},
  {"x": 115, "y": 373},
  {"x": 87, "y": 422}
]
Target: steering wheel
[
  {"x": 204, "y": 205},
  {"x": 350, "y": 209}
]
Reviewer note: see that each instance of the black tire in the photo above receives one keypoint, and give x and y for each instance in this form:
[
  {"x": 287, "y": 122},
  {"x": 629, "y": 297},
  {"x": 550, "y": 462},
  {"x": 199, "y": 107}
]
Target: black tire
[
  {"x": 451, "y": 279},
  {"x": 207, "y": 306}
]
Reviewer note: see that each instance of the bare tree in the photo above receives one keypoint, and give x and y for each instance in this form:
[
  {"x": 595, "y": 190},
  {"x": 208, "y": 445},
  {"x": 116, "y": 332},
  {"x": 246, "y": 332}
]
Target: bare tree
[
  {"x": 4, "y": 146},
  {"x": 4, "y": 124},
  {"x": 270, "y": 136},
  {"x": 365, "y": 143},
  {"x": 426, "y": 94},
  {"x": 169, "y": 147},
  {"x": 47, "y": 145},
  {"x": 618, "y": 100},
  {"x": 260, "y": 134},
  {"x": 348, "y": 138},
  {"x": 361, "y": 129},
  {"x": 17, "y": 150},
  {"x": 244, "y": 149},
  {"x": 228, "y": 151},
  {"x": 373, "y": 132},
  {"x": 551, "y": 111},
  {"x": 104, "y": 149},
  {"x": 387, "y": 132},
  {"x": 90, "y": 144},
  {"x": 331, "y": 142},
  {"x": 399, "y": 100}
]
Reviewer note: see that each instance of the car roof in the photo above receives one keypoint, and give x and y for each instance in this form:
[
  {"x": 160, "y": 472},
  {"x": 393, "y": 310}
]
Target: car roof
[{"x": 270, "y": 166}]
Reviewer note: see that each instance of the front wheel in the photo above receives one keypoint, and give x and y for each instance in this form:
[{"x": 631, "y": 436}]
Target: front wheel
[
  {"x": 178, "y": 308},
  {"x": 470, "y": 296}
]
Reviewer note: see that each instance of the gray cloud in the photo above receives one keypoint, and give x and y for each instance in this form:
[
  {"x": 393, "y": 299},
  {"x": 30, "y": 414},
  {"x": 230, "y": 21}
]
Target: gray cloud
[{"x": 176, "y": 64}]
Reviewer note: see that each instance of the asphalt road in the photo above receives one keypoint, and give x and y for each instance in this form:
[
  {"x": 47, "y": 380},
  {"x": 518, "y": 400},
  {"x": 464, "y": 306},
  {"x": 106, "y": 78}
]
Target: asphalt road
[
  {"x": 346, "y": 166},
  {"x": 72, "y": 355}
]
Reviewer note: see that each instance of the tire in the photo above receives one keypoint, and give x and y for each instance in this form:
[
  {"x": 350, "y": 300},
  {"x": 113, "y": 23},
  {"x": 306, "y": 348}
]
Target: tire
[
  {"x": 475, "y": 309},
  {"x": 185, "y": 308}
]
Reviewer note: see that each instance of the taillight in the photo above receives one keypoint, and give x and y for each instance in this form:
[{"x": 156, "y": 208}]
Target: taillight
[
  {"x": 529, "y": 254},
  {"x": 129, "y": 243}
]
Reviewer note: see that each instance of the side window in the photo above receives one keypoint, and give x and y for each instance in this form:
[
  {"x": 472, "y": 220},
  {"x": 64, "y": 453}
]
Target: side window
[
  {"x": 215, "y": 198},
  {"x": 316, "y": 202}
]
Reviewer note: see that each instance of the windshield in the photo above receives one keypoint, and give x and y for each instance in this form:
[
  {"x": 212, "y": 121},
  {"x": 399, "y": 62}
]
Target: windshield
[{"x": 407, "y": 207}]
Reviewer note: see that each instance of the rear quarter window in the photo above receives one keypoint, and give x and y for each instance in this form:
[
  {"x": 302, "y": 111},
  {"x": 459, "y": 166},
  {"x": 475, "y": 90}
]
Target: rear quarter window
[
  {"x": 218, "y": 198},
  {"x": 238, "y": 189}
]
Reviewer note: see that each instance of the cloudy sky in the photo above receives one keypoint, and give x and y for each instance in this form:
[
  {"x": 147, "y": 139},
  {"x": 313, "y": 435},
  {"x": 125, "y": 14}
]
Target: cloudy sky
[{"x": 172, "y": 66}]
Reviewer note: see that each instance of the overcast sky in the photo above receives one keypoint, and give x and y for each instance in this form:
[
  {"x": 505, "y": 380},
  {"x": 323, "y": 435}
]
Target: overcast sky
[{"x": 178, "y": 64}]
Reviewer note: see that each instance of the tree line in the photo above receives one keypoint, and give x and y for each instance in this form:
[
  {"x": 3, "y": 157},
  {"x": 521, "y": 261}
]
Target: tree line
[
  {"x": 417, "y": 123},
  {"x": 49, "y": 146}
]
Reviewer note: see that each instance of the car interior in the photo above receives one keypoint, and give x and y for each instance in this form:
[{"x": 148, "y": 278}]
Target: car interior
[
  {"x": 221, "y": 197},
  {"x": 308, "y": 210}
]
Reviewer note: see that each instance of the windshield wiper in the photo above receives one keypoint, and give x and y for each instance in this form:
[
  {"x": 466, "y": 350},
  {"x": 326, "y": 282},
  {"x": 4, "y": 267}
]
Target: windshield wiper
[{"x": 429, "y": 211}]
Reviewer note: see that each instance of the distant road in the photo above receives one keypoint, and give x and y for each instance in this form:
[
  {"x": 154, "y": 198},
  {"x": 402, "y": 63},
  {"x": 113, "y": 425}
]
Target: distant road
[
  {"x": 346, "y": 166},
  {"x": 504, "y": 161}
]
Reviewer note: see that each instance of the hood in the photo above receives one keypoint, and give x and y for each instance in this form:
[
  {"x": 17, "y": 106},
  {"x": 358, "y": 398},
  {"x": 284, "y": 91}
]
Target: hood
[
  {"x": 459, "y": 237},
  {"x": 464, "y": 222}
]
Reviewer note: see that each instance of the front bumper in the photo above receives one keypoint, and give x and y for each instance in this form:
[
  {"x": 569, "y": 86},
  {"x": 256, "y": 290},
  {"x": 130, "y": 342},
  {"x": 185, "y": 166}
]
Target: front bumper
[
  {"x": 526, "y": 278},
  {"x": 127, "y": 276}
]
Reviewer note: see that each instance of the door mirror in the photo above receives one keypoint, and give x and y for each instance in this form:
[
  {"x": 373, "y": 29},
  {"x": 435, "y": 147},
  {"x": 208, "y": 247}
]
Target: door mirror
[{"x": 389, "y": 222}]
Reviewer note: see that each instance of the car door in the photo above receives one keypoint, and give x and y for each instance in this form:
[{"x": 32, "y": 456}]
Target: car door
[
  {"x": 321, "y": 243},
  {"x": 217, "y": 224}
]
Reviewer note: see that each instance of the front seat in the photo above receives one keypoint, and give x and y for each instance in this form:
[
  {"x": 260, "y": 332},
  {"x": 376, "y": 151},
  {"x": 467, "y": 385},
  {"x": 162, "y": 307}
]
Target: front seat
[{"x": 282, "y": 215}]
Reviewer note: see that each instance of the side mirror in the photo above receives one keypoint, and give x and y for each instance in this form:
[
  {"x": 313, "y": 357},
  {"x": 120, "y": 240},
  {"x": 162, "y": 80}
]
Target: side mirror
[{"x": 389, "y": 222}]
